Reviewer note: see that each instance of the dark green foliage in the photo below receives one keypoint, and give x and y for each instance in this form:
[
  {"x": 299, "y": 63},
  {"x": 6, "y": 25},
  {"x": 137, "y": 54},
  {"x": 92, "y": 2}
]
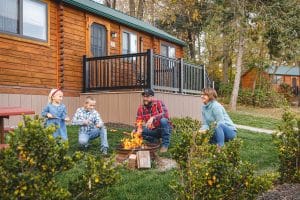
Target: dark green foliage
[
  {"x": 262, "y": 97},
  {"x": 287, "y": 141},
  {"x": 209, "y": 172},
  {"x": 28, "y": 168}
]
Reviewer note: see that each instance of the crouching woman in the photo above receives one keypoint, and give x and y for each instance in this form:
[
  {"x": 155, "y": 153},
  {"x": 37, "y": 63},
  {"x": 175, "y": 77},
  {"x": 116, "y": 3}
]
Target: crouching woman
[{"x": 214, "y": 112}]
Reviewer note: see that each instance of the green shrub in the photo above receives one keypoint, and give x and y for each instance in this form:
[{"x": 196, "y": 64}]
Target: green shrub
[
  {"x": 287, "y": 91},
  {"x": 287, "y": 140},
  {"x": 29, "y": 166},
  {"x": 207, "y": 172},
  {"x": 181, "y": 137},
  {"x": 97, "y": 175},
  {"x": 265, "y": 97}
]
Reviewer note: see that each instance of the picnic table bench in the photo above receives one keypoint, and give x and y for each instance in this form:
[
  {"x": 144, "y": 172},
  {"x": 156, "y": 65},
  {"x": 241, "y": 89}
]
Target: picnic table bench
[{"x": 6, "y": 112}]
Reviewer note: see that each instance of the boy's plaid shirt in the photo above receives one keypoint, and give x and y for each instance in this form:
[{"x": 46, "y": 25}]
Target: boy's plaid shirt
[
  {"x": 82, "y": 114},
  {"x": 157, "y": 110}
]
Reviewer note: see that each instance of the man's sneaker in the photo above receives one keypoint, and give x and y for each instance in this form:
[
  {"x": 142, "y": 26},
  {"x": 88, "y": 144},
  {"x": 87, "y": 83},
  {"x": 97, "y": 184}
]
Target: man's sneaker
[
  {"x": 163, "y": 149},
  {"x": 104, "y": 151}
]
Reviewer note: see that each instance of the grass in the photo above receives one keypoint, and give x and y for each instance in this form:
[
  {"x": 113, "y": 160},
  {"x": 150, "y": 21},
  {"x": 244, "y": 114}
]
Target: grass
[
  {"x": 255, "y": 121},
  {"x": 150, "y": 184},
  {"x": 259, "y": 149}
]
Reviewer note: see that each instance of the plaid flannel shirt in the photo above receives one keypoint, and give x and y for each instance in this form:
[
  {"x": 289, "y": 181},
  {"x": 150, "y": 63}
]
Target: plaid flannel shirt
[
  {"x": 82, "y": 114},
  {"x": 157, "y": 110}
]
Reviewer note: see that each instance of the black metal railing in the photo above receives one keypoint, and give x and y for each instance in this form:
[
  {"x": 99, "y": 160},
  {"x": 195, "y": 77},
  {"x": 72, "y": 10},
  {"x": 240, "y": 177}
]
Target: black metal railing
[
  {"x": 115, "y": 72},
  {"x": 143, "y": 70}
]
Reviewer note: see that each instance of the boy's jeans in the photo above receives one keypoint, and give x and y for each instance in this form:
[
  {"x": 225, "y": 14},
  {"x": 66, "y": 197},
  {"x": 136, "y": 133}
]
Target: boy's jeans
[
  {"x": 222, "y": 134},
  {"x": 84, "y": 138},
  {"x": 163, "y": 131}
]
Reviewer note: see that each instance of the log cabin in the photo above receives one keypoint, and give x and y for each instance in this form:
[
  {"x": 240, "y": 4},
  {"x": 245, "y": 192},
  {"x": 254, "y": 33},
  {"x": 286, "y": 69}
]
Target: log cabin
[
  {"x": 86, "y": 48},
  {"x": 276, "y": 75}
]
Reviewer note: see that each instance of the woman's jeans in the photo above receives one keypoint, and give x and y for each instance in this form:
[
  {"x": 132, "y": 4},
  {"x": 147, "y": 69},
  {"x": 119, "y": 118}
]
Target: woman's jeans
[
  {"x": 222, "y": 134},
  {"x": 163, "y": 131},
  {"x": 84, "y": 138}
]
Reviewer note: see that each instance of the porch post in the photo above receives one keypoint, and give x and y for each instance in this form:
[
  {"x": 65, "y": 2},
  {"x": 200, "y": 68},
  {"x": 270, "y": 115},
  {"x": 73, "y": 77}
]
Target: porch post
[
  {"x": 84, "y": 74},
  {"x": 150, "y": 72},
  {"x": 181, "y": 75}
]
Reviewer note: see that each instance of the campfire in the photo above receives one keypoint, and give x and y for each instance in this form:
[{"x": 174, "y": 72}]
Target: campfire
[
  {"x": 137, "y": 153},
  {"x": 136, "y": 140}
]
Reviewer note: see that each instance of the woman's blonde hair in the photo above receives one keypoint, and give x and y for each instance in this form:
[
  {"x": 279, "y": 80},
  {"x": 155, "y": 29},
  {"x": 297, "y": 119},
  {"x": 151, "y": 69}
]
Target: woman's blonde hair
[
  {"x": 210, "y": 92},
  {"x": 52, "y": 93}
]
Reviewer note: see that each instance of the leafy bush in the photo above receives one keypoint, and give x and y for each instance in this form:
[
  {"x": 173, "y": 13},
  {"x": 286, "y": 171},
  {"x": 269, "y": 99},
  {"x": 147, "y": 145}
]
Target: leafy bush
[
  {"x": 261, "y": 97},
  {"x": 207, "y": 172},
  {"x": 287, "y": 91},
  {"x": 181, "y": 137},
  {"x": 97, "y": 175},
  {"x": 225, "y": 91},
  {"x": 29, "y": 166},
  {"x": 287, "y": 140}
]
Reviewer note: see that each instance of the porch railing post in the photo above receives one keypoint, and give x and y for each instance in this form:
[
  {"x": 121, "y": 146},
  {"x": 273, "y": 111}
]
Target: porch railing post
[
  {"x": 150, "y": 71},
  {"x": 84, "y": 74},
  {"x": 181, "y": 75}
]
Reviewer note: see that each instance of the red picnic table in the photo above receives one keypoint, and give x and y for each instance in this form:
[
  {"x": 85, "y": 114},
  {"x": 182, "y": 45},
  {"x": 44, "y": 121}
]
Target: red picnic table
[{"x": 6, "y": 112}]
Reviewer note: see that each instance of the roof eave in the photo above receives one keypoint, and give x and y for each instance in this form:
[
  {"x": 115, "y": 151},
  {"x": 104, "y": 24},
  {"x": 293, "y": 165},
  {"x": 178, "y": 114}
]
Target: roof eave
[{"x": 120, "y": 20}]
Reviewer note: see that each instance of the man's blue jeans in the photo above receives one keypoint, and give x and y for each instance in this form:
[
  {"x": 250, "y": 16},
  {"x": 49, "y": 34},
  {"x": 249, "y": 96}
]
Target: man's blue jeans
[
  {"x": 84, "y": 138},
  {"x": 163, "y": 131},
  {"x": 222, "y": 134}
]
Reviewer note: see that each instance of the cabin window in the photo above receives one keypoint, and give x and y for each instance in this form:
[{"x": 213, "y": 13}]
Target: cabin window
[
  {"x": 168, "y": 51},
  {"x": 24, "y": 17},
  {"x": 277, "y": 79},
  {"x": 129, "y": 43}
]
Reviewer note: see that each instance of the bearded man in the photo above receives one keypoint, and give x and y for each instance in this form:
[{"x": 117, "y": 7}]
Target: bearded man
[{"x": 155, "y": 115}]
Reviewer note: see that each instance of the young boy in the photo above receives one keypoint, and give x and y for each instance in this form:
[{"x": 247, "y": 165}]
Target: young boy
[{"x": 91, "y": 125}]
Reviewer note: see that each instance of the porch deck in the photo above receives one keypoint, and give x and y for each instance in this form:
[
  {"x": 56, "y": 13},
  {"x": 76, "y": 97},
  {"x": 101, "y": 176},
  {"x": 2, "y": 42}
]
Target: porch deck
[{"x": 143, "y": 70}]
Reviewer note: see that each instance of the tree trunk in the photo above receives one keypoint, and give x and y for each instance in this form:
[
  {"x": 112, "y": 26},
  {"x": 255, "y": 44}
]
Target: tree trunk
[
  {"x": 191, "y": 44},
  {"x": 225, "y": 61},
  {"x": 107, "y": 3},
  {"x": 140, "y": 11},
  {"x": 132, "y": 8},
  {"x": 113, "y": 5},
  {"x": 237, "y": 79}
]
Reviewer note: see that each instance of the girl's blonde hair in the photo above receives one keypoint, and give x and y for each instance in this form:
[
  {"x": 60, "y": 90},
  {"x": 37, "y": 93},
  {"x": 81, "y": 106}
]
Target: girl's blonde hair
[
  {"x": 52, "y": 93},
  {"x": 210, "y": 92}
]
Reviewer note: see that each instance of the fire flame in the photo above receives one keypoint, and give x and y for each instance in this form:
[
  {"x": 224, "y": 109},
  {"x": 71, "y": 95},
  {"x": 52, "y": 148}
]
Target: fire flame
[{"x": 136, "y": 139}]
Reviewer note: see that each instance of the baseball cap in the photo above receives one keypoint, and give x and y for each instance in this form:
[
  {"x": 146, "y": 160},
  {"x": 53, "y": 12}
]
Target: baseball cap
[{"x": 148, "y": 92}]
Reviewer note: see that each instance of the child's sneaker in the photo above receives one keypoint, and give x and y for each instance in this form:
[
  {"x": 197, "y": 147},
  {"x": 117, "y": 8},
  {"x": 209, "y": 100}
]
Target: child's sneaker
[{"x": 104, "y": 151}]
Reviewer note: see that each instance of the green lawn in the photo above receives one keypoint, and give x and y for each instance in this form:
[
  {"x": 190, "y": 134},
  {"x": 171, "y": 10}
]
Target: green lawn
[
  {"x": 255, "y": 121},
  {"x": 151, "y": 184}
]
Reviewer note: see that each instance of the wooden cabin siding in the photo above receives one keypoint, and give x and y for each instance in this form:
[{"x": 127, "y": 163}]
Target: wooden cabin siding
[
  {"x": 28, "y": 66},
  {"x": 248, "y": 78},
  {"x": 27, "y": 63},
  {"x": 74, "y": 48}
]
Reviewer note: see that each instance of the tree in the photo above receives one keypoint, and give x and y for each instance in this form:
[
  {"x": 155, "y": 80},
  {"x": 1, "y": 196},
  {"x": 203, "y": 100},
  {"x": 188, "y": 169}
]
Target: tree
[
  {"x": 132, "y": 8},
  {"x": 140, "y": 10}
]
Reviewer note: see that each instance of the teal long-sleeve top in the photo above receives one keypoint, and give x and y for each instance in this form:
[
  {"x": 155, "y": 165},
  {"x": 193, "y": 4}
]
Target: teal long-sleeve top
[{"x": 213, "y": 111}]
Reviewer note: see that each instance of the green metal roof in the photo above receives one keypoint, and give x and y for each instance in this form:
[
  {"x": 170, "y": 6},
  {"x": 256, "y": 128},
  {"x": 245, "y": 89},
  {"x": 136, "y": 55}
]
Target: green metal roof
[
  {"x": 122, "y": 18},
  {"x": 284, "y": 70}
]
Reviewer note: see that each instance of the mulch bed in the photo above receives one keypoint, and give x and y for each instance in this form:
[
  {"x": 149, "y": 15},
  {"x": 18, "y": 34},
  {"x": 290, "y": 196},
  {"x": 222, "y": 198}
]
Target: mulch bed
[{"x": 282, "y": 192}]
